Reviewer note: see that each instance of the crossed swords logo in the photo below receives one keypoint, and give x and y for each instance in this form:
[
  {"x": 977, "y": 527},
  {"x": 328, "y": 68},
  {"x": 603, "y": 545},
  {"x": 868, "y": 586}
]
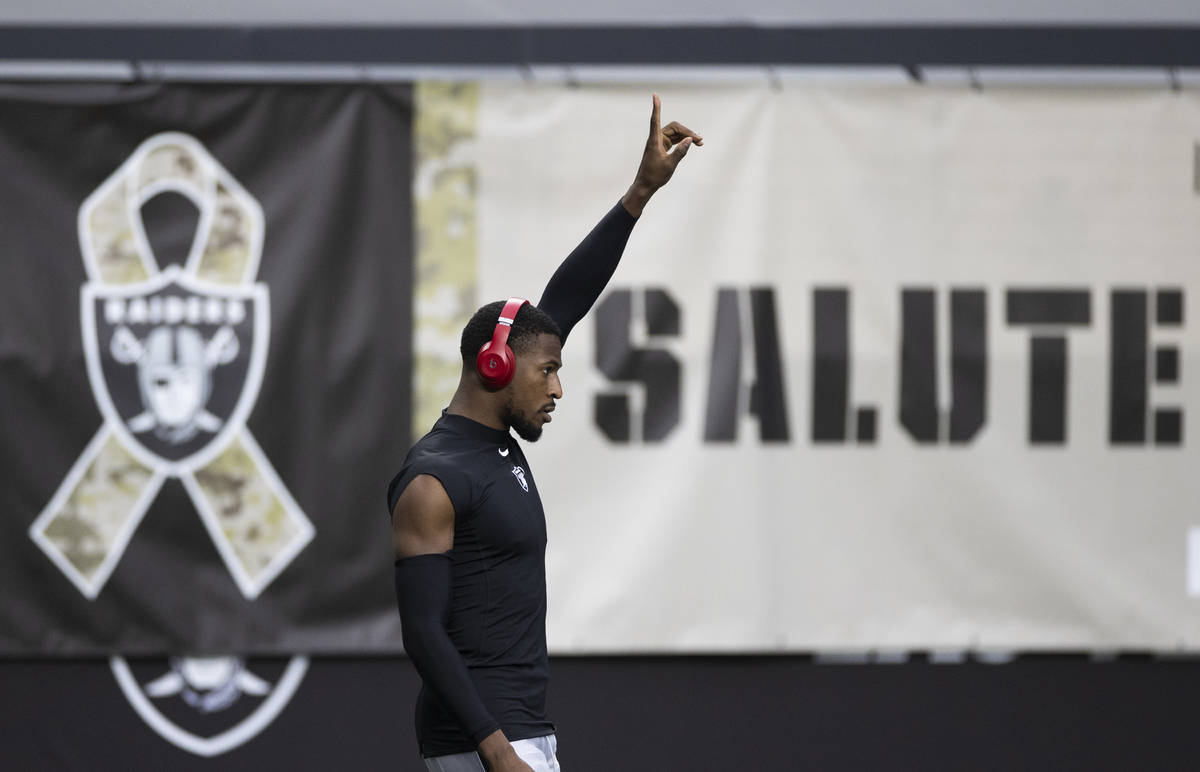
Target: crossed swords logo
[{"x": 175, "y": 358}]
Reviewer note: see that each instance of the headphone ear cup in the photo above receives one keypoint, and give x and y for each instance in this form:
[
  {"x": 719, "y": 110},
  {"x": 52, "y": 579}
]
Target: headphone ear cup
[{"x": 495, "y": 365}]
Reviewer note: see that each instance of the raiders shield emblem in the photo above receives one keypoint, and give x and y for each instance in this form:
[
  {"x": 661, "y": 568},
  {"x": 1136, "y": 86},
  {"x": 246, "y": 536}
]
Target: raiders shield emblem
[
  {"x": 208, "y": 705},
  {"x": 175, "y": 363}
]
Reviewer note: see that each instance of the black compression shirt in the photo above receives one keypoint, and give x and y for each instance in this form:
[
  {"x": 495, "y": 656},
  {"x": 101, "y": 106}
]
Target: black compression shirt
[
  {"x": 497, "y": 616},
  {"x": 496, "y": 613}
]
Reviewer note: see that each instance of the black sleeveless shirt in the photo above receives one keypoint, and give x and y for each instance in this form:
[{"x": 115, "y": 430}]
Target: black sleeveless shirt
[{"x": 498, "y": 613}]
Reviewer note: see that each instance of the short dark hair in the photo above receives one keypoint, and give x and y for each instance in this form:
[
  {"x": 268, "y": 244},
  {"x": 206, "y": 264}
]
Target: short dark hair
[{"x": 529, "y": 323}]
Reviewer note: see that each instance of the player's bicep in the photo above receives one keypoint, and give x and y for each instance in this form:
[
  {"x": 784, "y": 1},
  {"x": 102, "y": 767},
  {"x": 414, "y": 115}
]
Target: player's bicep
[{"x": 423, "y": 519}]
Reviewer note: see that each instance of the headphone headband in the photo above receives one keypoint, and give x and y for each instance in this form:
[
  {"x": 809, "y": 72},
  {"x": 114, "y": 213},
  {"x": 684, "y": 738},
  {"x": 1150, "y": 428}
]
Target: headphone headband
[{"x": 504, "y": 324}]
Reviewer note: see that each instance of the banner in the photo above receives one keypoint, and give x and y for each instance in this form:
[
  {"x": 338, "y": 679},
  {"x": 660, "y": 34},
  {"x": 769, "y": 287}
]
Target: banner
[
  {"x": 882, "y": 367},
  {"x": 205, "y": 372}
]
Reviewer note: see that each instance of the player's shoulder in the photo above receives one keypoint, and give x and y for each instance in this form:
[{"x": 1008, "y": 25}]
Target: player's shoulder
[
  {"x": 449, "y": 457},
  {"x": 442, "y": 443},
  {"x": 424, "y": 492}
]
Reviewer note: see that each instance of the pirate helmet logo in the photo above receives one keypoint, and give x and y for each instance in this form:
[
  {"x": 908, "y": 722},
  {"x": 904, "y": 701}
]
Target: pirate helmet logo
[
  {"x": 222, "y": 699},
  {"x": 174, "y": 367}
]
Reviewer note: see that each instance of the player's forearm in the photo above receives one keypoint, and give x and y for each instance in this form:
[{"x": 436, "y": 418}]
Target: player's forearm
[
  {"x": 442, "y": 670},
  {"x": 423, "y": 596},
  {"x": 582, "y": 276}
]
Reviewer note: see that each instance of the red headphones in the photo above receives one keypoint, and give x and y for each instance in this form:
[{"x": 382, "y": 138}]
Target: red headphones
[{"x": 495, "y": 362}]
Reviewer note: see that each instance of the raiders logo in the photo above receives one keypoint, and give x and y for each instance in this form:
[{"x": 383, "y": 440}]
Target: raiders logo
[
  {"x": 175, "y": 364},
  {"x": 519, "y": 473},
  {"x": 223, "y": 701}
]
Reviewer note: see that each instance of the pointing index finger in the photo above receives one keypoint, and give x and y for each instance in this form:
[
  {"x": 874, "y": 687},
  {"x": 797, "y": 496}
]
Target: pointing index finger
[{"x": 654, "y": 121}]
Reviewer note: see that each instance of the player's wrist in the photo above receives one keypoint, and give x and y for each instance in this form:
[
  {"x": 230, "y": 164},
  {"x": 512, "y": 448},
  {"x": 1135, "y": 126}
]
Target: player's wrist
[
  {"x": 637, "y": 196},
  {"x": 495, "y": 748}
]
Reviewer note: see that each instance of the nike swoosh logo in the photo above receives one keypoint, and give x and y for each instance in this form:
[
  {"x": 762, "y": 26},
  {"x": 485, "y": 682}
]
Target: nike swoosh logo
[{"x": 503, "y": 452}]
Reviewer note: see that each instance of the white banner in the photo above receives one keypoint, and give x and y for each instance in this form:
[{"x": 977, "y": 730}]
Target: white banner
[{"x": 885, "y": 367}]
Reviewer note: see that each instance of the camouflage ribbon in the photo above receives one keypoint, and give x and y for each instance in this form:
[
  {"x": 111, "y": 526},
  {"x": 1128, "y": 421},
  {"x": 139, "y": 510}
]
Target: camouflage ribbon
[{"x": 175, "y": 360}]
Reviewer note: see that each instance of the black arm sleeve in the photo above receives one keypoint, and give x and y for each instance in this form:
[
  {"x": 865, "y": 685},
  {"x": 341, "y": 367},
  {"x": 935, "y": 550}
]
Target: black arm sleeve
[
  {"x": 423, "y": 595},
  {"x": 578, "y": 282}
]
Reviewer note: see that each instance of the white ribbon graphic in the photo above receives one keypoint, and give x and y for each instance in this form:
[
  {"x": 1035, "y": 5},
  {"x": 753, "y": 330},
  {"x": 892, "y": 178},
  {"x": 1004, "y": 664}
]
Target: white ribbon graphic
[{"x": 256, "y": 525}]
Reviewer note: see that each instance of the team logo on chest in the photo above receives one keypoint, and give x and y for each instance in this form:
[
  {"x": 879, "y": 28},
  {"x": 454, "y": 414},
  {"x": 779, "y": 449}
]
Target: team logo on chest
[{"x": 519, "y": 473}]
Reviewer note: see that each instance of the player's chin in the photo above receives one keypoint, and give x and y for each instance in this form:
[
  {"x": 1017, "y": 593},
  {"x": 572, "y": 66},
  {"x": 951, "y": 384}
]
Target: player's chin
[{"x": 530, "y": 431}]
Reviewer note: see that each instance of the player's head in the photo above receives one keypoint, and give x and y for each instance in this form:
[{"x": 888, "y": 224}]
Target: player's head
[
  {"x": 529, "y": 322},
  {"x": 526, "y": 400}
]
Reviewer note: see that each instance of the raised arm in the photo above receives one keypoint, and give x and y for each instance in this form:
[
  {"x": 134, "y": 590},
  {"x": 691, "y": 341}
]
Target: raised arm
[
  {"x": 580, "y": 279},
  {"x": 423, "y": 533}
]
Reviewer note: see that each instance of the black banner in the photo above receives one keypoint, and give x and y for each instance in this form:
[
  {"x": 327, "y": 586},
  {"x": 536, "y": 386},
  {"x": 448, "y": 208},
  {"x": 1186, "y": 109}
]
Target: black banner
[
  {"x": 641, "y": 713},
  {"x": 205, "y": 303}
]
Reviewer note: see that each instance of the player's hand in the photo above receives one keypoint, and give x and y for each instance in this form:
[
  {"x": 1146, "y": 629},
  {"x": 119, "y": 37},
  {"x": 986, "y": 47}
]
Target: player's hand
[
  {"x": 511, "y": 765},
  {"x": 665, "y": 148},
  {"x": 498, "y": 755}
]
